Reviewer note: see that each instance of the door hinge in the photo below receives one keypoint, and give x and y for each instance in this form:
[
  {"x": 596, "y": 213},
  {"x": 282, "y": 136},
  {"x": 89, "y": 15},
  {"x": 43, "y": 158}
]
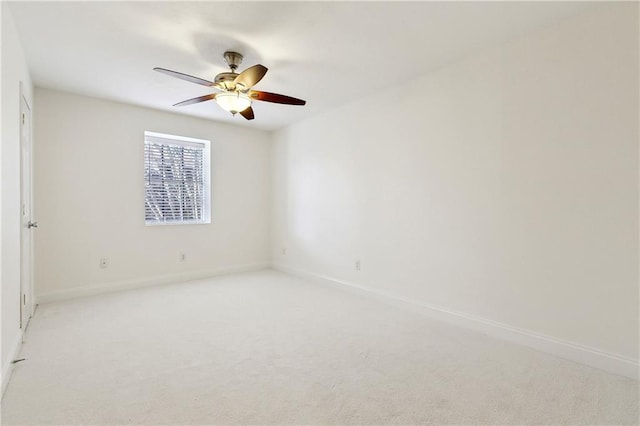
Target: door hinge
[
  {"x": 24, "y": 299},
  {"x": 23, "y": 118}
]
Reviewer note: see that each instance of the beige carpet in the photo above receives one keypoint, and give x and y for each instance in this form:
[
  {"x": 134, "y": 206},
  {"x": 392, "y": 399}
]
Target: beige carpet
[{"x": 267, "y": 348}]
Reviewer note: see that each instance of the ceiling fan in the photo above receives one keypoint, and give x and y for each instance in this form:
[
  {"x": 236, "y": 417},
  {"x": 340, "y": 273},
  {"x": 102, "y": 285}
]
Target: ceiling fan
[{"x": 235, "y": 93}]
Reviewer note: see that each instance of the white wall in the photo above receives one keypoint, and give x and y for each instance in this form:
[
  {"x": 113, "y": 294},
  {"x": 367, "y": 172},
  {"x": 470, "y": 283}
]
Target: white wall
[
  {"x": 14, "y": 71},
  {"x": 89, "y": 187},
  {"x": 504, "y": 186}
]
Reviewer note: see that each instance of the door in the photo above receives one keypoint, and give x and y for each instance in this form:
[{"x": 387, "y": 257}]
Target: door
[{"x": 28, "y": 225}]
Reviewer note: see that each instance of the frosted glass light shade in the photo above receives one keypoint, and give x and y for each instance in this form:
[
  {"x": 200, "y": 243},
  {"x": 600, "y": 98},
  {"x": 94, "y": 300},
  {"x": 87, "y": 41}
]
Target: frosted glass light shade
[{"x": 233, "y": 101}]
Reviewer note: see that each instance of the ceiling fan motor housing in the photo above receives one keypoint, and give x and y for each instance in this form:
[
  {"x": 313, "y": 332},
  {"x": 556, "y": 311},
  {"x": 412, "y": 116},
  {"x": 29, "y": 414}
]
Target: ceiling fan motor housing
[{"x": 226, "y": 80}]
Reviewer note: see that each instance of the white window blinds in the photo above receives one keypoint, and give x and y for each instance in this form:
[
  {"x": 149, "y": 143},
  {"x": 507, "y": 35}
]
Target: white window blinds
[{"x": 176, "y": 174}]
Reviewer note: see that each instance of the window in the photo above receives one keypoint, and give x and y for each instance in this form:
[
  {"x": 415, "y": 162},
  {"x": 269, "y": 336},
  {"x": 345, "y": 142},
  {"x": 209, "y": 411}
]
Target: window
[{"x": 176, "y": 180}]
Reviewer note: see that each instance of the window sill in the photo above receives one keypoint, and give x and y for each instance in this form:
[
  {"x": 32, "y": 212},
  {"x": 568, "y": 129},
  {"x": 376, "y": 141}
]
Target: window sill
[{"x": 178, "y": 222}]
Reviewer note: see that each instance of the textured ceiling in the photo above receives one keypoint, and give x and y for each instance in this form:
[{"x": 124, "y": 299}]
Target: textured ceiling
[{"x": 328, "y": 53}]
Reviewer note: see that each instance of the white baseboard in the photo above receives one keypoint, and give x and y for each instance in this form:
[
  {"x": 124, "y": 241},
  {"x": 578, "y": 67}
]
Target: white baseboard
[
  {"x": 7, "y": 367},
  {"x": 95, "y": 289},
  {"x": 592, "y": 357}
]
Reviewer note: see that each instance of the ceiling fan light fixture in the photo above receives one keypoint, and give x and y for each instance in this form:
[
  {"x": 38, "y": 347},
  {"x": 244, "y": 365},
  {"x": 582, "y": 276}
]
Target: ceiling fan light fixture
[{"x": 233, "y": 102}]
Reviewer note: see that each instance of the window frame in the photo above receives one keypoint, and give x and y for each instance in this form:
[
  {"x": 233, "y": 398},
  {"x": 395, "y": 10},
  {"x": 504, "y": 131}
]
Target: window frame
[{"x": 176, "y": 140}]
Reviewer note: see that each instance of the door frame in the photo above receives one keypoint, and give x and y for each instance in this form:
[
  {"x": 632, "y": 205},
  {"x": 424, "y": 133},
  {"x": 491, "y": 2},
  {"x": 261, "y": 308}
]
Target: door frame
[{"x": 26, "y": 235}]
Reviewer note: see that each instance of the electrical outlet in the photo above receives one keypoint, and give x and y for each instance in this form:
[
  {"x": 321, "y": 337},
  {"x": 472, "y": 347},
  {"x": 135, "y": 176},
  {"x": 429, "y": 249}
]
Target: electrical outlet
[
  {"x": 104, "y": 263},
  {"x": 183, "y": 256},
  {"x": 357, "y": 265}
]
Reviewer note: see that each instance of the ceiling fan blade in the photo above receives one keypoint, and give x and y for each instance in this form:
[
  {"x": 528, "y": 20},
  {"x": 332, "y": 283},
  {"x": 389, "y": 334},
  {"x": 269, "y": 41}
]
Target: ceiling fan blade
[
  {"x": 247, "y": 113},
  {"x": 186, "y": 77},
  {"x": 276, "y": 98},
  {"x": 250, "y": 77},
  {"x": 197, "y": 100}
]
